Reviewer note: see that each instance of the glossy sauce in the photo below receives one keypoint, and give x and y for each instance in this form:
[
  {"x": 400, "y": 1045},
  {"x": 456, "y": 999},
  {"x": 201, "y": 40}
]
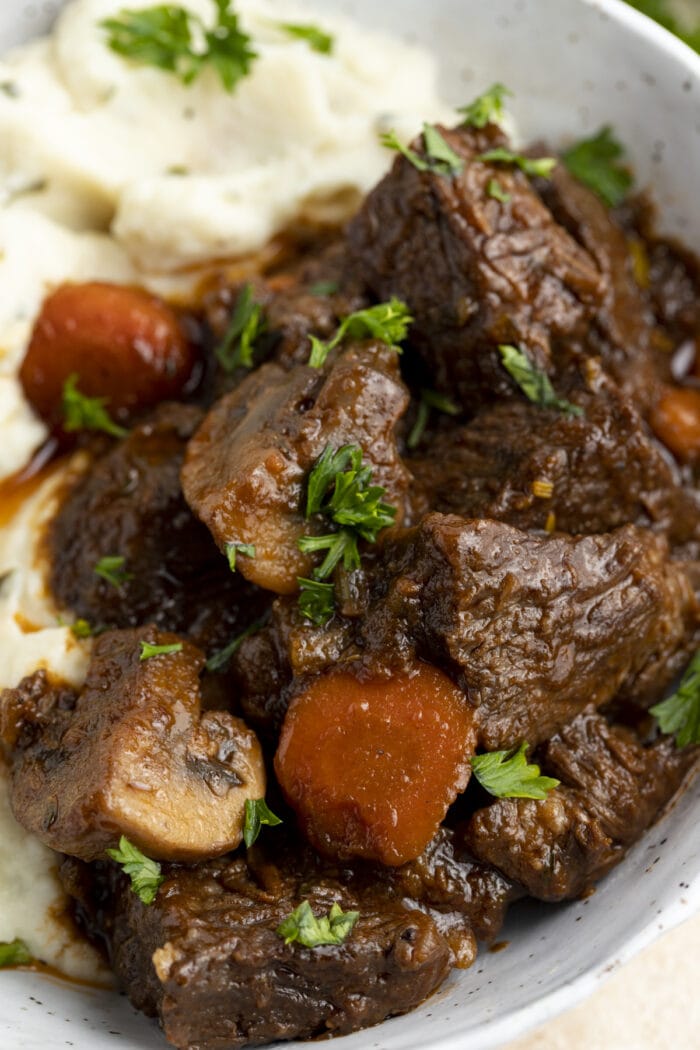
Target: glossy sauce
[{"x": 19, "y": 487}]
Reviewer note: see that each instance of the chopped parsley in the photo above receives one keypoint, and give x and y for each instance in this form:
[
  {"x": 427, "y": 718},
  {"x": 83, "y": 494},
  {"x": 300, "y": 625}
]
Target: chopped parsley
[
  {"x": 232, "y": 549},
  {"x": 496, "y": 191},
  {"x": 246, "y": 326},
  {"x": 541, "y": 166},
  {"x": 314, "y": 37},
  {"x": 14, "y": 953},
  {"x": 386, "y": 322},
  {"x": 679, "y": 714},
  {"x": 176, "y": 40},
  {"x": 257, "y": 813},
  {"x": 81, "y": 412},
  {"x": 429, "y": 399},
  {"x": 534, "y": 383},
  {"x": 148, "y": 650},
  {"x": 597, "y": 162},
  {"x": 486, "y": 108},
  {"x": 144, "y": 873},
  {"x": 507, "y": 774},
  {"x": 340, "y": 488},
  {"x": 316, "y": 600},
  {"x": 324, "y": 288},
  {"x": 440, "y": 158},
  {"x": 111, "y": 568},
  {"x": 304, "y": 928},
  {"x": 219, "y": 661},
  {"x": 81, "y": 629}
]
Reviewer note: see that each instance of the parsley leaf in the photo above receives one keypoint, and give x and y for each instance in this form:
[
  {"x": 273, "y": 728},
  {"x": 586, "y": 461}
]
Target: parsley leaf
[
  {"x": 148, "y": 650},
  {"x": 340, "y": 488},
  {"x": 314, "y": 37},
  {"x": 81, "y": 629},
  {"x": 542, "y": 166},
  {"x": 316, "y": 600},
  {"x": 86, "y": 413},
  {"x": 679, "y": 714},
  {"x": 257, "y": 813},
  {"x": 486, "y": 108},
  {"x": 496, "y": 191},
  {"x": 303, "y": 927},
  {"x": 232, "y": 549},
  {"x": 14, "y": 953},
  {"x": 507, "y": 774},
  {"x": 596, "y": 163},
  {"x": 429, "y": 399},
  {"x": 218, "y": 661},
  {"x": 246, "y": 326},
  {"x": 439, "y": 157},
  {"x": 144, "y": 873},
  {"x": 534, "y": 384},
  {"x": 111, "y": 569},
  {"x": 165, "y": 35},
  {"x": 386, "y": 322}
]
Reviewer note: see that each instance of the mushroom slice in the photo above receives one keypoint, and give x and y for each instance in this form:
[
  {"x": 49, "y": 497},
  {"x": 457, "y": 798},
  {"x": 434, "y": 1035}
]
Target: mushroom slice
[{"x": 132, "y": 754}]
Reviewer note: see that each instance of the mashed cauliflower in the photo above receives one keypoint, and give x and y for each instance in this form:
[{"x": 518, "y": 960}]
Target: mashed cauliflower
[{"x": 113, "y": 171}]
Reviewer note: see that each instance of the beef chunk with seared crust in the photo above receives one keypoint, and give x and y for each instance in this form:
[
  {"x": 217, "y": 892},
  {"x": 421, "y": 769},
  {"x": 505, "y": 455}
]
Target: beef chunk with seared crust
[
  {"x": 612, "y": 789},
  {"x": 476, "y": 272}
]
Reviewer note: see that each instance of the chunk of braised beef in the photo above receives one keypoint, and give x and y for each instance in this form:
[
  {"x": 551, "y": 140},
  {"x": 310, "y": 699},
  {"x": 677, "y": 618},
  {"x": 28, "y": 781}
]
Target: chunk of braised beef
[
  {"x": 309, "y": 298},
  {"x": 612, "y": 789},
  {"x": 622, "y": 332},
  {"x": 533, "y": 628},
  {"x": 128, "y": 504},
  {"x": 539, "y": 469},
  {"x": 130, "y": 754},
  {"x": 246, "y": 467},
  {"x": 476, "y": 272},
  {"x": 205, "y": 955}
]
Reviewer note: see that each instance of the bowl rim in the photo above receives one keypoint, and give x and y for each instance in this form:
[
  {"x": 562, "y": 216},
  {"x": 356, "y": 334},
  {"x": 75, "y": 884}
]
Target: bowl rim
[{"x": 516, "y": 1024}]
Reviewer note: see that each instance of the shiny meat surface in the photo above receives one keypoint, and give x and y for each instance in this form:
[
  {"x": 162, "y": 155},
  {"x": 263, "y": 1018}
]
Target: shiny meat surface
[
  {"x": 131, "y": 755},
  {"x": 246, "y": 466},
  {"x": 612, "y": 789},
  {"x": 475, "y": 271}
]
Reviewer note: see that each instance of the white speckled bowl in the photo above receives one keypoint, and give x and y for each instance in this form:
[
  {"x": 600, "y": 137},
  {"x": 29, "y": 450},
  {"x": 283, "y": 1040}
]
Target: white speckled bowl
[{"x": 574, "y": 64}]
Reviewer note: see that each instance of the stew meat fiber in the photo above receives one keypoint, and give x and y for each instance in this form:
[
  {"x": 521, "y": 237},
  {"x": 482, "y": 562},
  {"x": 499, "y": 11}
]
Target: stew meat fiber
[{"x": 426, "y": 506}]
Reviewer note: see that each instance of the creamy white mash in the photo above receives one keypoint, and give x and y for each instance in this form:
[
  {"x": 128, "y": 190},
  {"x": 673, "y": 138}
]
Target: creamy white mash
[{"x": 113, "y": 171}]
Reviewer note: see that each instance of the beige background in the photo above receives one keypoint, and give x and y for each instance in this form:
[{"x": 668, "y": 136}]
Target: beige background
[{"x": 653, "y": 1003}]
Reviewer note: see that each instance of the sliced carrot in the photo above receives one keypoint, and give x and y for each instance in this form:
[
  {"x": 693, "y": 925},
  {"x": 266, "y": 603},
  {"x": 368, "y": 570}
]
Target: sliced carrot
[
  {"x": 675, "y": 419},
  {"x": 370, "y": 766},
  {"x": 121, "y": 343}
]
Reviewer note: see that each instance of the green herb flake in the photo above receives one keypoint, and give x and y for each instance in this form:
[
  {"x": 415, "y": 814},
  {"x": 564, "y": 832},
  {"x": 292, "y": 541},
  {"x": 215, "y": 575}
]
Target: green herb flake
[
  {"x": 429, "y": 399},
  {"x": 148, "y": 650},
  {"x": 597, "y": 163},
  {"x": 679, "y": 714},
  {"x": 176, "y": 40},
  {"x": 533, "y": 166},
  {"x": 316, "y": 600},
  {"x": 440, "y": 158},
  {"x": 10, "y": 89},
  {"x": 507, "y": 774},
  {"x": 324, "y": 288},
  {"x": 86, "y": 413},
  {"x": 14, "y": 953},
  {"x": 302, "y": 926},
  {"x": 111, "y": 568},
  {"x": 534, "y": 383},
  {"x": 496, "y": 191},
  {"x": 257, "y": 813},
  {"x": 245, "y": 328},
  {"x": 233, "y": 549},
  {"x": 219, "y": 661},
  {"x": 386, "y": 322},
  {"x": 144, "y": 873},
  {"x": 487, "y": 108},
  {"x": 81, "y": 629},
  {"x": 311, "y": 34}
]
